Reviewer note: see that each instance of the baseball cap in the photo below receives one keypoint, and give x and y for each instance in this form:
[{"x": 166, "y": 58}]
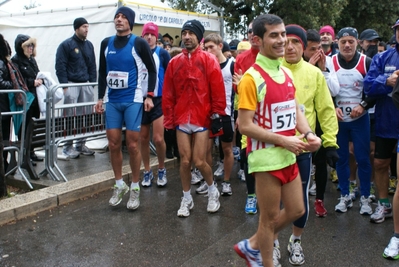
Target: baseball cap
[
  {"x": 369, "y": 34},
  {"x": 396, "y": 24}
]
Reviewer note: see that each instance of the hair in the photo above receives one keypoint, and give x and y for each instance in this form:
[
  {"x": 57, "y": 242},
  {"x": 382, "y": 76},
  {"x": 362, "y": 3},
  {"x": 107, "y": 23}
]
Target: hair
[
  {"x": 5, "y": 49},
  {"x": 313, "y": 36},
  {"x": 174, "y": 51},
  {"x": 382, "y": 43},
  {"x": 213, "y": 37},
  {"x": 260, "y": 22}
]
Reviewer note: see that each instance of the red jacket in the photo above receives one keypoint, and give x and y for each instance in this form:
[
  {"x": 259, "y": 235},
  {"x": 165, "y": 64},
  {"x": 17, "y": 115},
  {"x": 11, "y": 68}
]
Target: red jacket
[
  {"x": 193, "y": 90},
  {"x": 245, "y": 60}
]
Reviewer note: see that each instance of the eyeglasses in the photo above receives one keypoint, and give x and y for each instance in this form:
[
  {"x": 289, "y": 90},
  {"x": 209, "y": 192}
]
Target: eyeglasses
[
  {"x": 31, "y": 45},
  {"x": 250, "y": 31}
]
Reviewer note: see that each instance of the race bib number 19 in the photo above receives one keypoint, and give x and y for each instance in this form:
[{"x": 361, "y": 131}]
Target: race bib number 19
[
  {"x": 283, "y": 116},
  {"x": 118, "y": 79}
]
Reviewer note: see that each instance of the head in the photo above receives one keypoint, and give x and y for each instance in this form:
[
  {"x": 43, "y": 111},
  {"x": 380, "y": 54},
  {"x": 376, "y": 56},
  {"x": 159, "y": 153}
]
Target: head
[
  {"x": 392, "y": 42},
  {"x": 226, "y": 50},
  {"x": 313, "y": 39},
  {"x": 5, "y": 50},
  {"x": 395, "y": 28},
  {"x": 81, "y": 27},
  {"x": 213, "y": 43},
  {"x": 327, "y": 36},
  {"x": 382, "y": 46},
  {"x": 25, "y": 45},
  {"x": 192, "y": 33},
  {"x": 269, "y": 35},
  {"x": 124, "y": 20},
  {"x": 347, "y": 42},
  {"x": 369, "y": 38},
  {"x": 233, "y": 47},
  {"x": 296, "y": 43},
  {"x": 167, "y": 46},
  {"x": 243, "y": 46},
  {"x": 150, "y": 34},
  {"x": 250, "y": 34},
  {"x": 175, "y": 51},
  {"x": 167, "y": 38}
]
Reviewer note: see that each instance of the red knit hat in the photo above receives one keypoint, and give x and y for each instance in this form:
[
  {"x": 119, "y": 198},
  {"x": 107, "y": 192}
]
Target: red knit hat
[
  {"x": 328, "y": 29},
  {"x": 150, "y": 27}
]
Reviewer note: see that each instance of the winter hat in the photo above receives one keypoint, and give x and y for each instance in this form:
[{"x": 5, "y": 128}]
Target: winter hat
[
  {"x": 294, "y": 30},
  {"x": 226, "y": 47},
  {"x": 369, "y": 34},
  {"x": 196, "y": 27},
  {"x": 328, "y": 29},
  {"x": 129, "y": 14},
  {"x": 150, "y": 27},
  {"x": 348, "y": 31},
  {"x": 79, "y": 22}
]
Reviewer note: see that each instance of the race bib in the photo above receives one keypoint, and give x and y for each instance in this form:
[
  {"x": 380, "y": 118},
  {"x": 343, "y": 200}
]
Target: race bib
[
  {"x": 118, "y": 79},
  {"x": 283, "y": 116},
  {"x": 347, "y": 105}
]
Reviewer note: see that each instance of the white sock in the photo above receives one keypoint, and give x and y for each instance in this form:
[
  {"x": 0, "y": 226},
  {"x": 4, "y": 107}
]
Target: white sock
[
  {"x": 119, "y": 183},
  {"x": 187, "y": 195},
  {"x": 212, "y": 187},
  {"x": 293, "y": 237},
  {"x": 135, "y": 185},
  {"x": 276, "y": 243}
]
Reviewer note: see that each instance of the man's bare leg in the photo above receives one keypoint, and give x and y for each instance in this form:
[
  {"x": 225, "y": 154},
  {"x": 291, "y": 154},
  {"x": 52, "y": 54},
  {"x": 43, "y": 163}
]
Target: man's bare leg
[{"x": 133, "y": 146}]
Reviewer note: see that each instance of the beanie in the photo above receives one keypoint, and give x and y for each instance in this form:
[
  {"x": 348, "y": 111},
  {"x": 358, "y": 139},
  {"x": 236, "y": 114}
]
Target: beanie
[
  {"x": 150, "y": 27},
  {"x": 348, "y": 31},
  {"x": 129, "y": 14},
  {"x": 79, "y": 22},
  {"x": 328, "y": 29},
  {"x": 196, "y": 27},
  {"x": 225, "y": 47},
  {"x": 293, "y": 30}
]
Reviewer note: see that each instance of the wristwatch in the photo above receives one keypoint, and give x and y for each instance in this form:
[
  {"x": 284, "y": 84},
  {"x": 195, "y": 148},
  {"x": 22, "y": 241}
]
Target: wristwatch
[{"x": 363, "y": 104}]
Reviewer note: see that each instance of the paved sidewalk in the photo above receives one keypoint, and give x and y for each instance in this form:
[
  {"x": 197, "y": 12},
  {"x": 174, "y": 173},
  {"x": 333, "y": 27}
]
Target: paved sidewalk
[{"x": 89, "y": 232}]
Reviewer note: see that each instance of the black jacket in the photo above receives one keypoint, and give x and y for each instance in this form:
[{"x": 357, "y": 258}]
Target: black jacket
[
  {"x": 75, "y": 61},
  {"x": 5, "y": 83}
]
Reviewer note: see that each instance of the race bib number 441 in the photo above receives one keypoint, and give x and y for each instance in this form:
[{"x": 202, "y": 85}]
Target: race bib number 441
[
  {"x": 118, "y": 79},
  {"x": 283, "y": 116}
]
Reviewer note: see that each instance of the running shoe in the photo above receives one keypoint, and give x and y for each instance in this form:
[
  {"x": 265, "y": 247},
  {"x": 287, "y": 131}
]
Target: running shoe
[
  {"x": 296, "y": 252},
  {"x": 381, "y": 212},
  {"x": 196, "y": 176},
  {"x": 213, "y": 201},
  {"x": 312, "y": 189},
  {"x": 84, "y": 150},
  {"x": 353, "y": 191},
  {"x": 70, "y": 152},
  {"x": 365, "y": 207},
  {"x": 392, "y": 185},
  {"x": 276, "y": 257},
  {"x": 202, "y": 189},
  {"x": 251, "y": 256},
  {"x": 241, "y": 175},
  {"x": 118, "y": 194},
  {"x": 134, "y": 199},
  {"x": 334, "y": 176},
  {"x": 392, "y": 250},
  {"x": 147, "y": 179},
  {"x": 162, "y": 180},
  {"x": 236, "y": 152},
  {"x": 226, "y": 189},
  {"x": 220, "y": 169},
  {"x": 250, "y": 206},
  {"x": 185, "y": 207},
  {"x": 345, "y": 202},
  {"x": 319, "y": 208}
]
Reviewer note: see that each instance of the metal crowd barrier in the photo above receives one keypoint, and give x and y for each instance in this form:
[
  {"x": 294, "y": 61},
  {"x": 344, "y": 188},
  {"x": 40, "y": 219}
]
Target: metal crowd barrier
[{"x": 17, "y": 146}]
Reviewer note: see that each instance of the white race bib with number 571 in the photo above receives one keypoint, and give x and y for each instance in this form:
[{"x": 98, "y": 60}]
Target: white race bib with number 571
[
  {"x": 118, "y": 79},
  {"x": 283, "y": 116}
]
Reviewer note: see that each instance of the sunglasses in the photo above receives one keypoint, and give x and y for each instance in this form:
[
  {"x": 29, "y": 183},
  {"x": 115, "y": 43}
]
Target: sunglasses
[{"x": 250, "y": 31}]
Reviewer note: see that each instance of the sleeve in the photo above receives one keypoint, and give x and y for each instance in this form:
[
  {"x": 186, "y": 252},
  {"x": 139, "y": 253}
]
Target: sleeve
[
  {"x": 247, "y": 92},
  {"x": 92, "y": 66},
  {"x": 331, "y": 78},
  {"x": 375, "y": 80},
  {"x": 145, "y": 53},
  {"x": 4, "y": 84},
  {"x": 326, "y": 113},
  {"x": 165, "y": 58},
  {"x": 168, "y": 98},
  {"x": 61, "y": 61},
  {"x": 216, "y": 84},
  {"x": 102, "y": 70}
]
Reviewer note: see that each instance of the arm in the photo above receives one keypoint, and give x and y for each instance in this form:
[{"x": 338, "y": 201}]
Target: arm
[
  {"x": 216, "y": 85},
  {"x": 145, "y": 54},
  {"x": 4, "y": 84},
  {"x": 303, "y": 127},
  {"x": 92, "y": 65},
  {"x": 375, "y": 82},
  {"x": 102, "y": 76},
  {"x": 168, "y": 98},
  {"x": 331, "y": 77},
  {"x": 165, "y": 58},
  {"x": 61, "y": 61}
]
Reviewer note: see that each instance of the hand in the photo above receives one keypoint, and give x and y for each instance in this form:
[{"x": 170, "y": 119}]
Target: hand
[
  {"x": 331, "y": 156},
  {"x": 38, "y": 82},
  {"x": 237, "y": 77},
  {"x": 99, "y": 107},
  {"x": 314, "y": 59},
  {"x": 148, "y": 104},
  {"x": 322, "y": 61},
  {"x": 357, "y": 111},
  {"x": 294, "y": 144},
  {"x": 340, "y": 114},
  {"x": 391, "y": 80},
  {"x": 314, "y": 142}
]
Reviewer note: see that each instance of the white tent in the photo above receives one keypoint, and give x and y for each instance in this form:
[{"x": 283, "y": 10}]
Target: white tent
[{"x": 50, "y": 27}]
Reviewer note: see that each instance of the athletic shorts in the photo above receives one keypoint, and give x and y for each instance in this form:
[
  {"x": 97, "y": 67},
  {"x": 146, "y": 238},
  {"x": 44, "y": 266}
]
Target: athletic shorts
[
  {"x": 129, "y": 113},
  {"x": 154, "y": 113},
  {"x": 287, "y": 174},
  {"x": 228, "y": 129},
  {"x": 189, "y": 128},
  {"x": 384, "y": 147}
]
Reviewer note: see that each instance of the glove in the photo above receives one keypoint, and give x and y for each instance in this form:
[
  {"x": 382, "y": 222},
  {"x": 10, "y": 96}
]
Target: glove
[
  {"x": 331, "y": 156},
  {"x": 217, "y": 126}
]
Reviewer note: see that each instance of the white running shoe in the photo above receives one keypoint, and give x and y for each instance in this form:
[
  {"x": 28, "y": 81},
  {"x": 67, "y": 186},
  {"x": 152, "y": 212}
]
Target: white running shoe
[
  {"x": 185, "y": 207},
  {"x": 365, "y": 207},
  {"x": 118, "y": 194},
  {"x": 220, "y": 169},
  {"x": 134, "y": 199},
  {"x": 345, "y": 202},
  {"x": 213, "y": 201},
  {"x": 196, "y": 176},
  {"x": 226, "y": 189},
  {"x": 392, "y": 250},
  {"x": 296, "y": 252},
  {"x": 162, "y": 180},
  {"x": 312, "y": 189},
  {"x": 241, "y": 175}
]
